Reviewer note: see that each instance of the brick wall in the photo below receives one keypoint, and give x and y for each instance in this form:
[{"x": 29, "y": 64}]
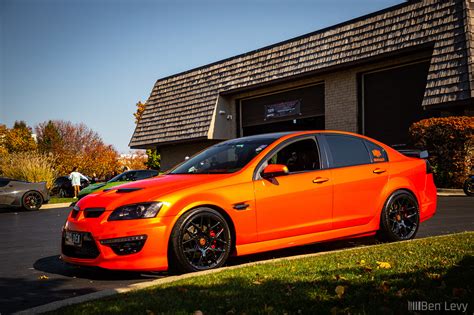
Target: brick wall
[{"x": 341, "y": 101}]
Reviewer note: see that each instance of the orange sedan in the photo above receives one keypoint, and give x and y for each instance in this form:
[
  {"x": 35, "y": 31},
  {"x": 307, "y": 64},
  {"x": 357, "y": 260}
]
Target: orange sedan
[{"x": 250, "y": 195}]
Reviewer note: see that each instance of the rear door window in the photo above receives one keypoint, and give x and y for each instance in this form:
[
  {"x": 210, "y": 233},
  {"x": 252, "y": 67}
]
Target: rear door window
[{"x": 347, "y": 150}]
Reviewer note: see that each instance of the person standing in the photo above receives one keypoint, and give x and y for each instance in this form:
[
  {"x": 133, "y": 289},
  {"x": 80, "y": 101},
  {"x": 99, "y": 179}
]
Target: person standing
[{"x": 75, "y": 178}]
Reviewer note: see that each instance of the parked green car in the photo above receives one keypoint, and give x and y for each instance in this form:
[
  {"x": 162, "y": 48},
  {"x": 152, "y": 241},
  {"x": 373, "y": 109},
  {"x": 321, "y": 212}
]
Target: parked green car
[{"x": 123, "y": 178}]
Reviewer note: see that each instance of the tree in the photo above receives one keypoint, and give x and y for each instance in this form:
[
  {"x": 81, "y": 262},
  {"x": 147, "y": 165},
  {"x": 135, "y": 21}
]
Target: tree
[
  {"x": 49, "y": 138},
  {"x": 154, "y": 159},
  {"x": 76, "y": 145},
  {"x": 134, "y": 160},
  {"x": 19, "y": 138},
  {"x": 139, "y": 112},
  {"x": 3, "y": 133}
]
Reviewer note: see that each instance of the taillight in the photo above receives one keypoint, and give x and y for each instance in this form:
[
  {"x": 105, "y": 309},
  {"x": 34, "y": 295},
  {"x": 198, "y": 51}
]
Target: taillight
[{"x": 429, "y": 169}]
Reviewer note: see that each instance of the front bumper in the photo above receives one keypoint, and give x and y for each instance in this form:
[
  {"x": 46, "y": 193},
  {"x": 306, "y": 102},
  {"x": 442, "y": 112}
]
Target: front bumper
[{"x": 152, "y": 256}]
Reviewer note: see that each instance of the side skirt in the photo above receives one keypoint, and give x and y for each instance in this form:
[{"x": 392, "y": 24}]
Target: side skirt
[{"x": 351, "y": 232}]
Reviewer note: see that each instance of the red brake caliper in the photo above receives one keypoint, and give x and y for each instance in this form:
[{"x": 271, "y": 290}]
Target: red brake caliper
[{"x": 213, "y": 234}]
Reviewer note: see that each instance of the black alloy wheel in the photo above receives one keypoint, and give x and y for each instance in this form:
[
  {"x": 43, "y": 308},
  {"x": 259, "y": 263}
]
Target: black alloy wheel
[
  {"x": 201, "y": 240},
  {"x": 32, "y": 200},
  {"x": 400, "y": 217}
]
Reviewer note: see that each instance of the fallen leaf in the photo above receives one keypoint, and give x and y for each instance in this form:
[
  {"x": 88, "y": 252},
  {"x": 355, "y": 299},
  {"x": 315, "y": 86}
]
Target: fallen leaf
[
  {"x": 340, "y": 290},
  {"x": 383, "y": 265},
  {"x": 362, "y": 262},
  {"x": 43, "y": 277},
  {"x": 257, "y": 282},
  {"x": 149, "y": 312},
  {"x": 198, "y": 312}
]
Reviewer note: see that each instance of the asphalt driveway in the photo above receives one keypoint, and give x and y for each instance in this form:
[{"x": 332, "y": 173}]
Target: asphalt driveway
[{"x": 31, "y": 273}]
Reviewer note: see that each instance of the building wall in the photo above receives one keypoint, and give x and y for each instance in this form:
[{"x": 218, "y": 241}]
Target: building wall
[{"x": 341, "y": 101}]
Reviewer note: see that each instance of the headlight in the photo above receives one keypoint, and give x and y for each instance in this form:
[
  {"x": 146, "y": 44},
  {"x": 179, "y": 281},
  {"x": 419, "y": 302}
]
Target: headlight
[{"x": 136, "y": 211}]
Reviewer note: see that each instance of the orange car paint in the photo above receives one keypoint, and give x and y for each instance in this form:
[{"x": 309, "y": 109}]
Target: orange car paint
[{"x": 344, "y": 202}]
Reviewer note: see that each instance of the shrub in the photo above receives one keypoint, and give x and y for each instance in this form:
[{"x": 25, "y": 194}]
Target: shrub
[
  {"x": 450, "y": 142},
  {"x": 29, "y": 166}
]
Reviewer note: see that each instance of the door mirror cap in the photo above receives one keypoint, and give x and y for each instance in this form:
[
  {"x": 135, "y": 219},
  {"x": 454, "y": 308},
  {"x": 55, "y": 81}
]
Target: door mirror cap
[{"x": 274, "y": 170}]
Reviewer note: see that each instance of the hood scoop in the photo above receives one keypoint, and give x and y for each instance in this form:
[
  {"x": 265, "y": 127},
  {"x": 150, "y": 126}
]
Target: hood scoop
[{"x": 124, "y": 190}]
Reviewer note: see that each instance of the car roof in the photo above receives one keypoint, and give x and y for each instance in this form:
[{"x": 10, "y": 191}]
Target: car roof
[{"x": 278, "y": 135}]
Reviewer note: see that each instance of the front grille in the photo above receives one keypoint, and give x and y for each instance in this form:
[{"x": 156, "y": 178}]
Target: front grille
[
  {"x": 88, "y": 249},
  {"x": 93, "y": 212}
]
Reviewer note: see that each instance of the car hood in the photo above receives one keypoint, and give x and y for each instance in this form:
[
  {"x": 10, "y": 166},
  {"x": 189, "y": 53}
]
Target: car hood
[{"x": 148, "y": 189}]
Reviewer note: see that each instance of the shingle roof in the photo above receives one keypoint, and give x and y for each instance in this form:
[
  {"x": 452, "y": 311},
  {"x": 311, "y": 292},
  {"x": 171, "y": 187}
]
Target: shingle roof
[{"x": 180, "y": 107}]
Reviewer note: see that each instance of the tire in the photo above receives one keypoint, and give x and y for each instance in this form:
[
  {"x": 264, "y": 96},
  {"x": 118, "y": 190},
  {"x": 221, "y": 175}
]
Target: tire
[
  {"x": 468, "y": 187},
  {"x": 400, "y": 217},
  {"x": 201, "y": 240},
  {"x": 32, "y": 201}
]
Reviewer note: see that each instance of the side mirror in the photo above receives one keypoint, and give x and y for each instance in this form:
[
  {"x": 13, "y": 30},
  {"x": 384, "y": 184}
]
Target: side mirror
[{"x": 274, "y": 170}]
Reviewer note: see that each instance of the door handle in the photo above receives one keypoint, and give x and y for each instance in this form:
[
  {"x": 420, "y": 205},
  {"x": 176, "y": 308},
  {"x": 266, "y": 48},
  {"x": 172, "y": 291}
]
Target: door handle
[
  {"x": 379, "y": 170},
  {"x": 320, "y": 180}
]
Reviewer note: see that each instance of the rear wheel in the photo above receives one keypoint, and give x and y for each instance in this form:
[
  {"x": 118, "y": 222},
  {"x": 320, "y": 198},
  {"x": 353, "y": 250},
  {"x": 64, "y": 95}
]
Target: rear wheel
[
  {"x": 400, "y": 217},
  {"x": 32, "y": 200},
  {"x": 200, "y": 240}
]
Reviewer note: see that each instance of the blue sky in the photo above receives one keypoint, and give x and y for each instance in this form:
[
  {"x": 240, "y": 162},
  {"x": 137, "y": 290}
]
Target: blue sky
[{"x": 91, "y": 60}]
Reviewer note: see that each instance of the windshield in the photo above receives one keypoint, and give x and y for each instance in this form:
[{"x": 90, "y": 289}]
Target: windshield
[
  {"x": 224, "y": 158},
  {"x": 127, "y": 176}
]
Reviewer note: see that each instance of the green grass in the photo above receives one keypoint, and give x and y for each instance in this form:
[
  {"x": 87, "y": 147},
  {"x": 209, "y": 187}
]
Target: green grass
[
  {"x": 61, "y": 200},
  {"x": 432, "y": 269}
]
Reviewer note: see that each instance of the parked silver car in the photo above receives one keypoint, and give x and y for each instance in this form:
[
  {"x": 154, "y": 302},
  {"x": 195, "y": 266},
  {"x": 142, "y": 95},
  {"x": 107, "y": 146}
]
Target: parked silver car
[{"x": 17, "y": 193}]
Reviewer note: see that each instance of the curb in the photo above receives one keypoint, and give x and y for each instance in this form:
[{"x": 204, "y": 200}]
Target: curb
[
  {"x": 55, "y": 205},
  {"x": 450, "y": 192},
  {"x": 143, "y": 285}
]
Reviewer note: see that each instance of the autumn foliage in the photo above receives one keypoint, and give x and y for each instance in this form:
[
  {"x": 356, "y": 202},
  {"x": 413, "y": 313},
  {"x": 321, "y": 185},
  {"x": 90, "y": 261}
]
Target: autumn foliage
[
  {"x": 30, "y": 166},
  {"x": 76, "y": 145},
  {"x": 450, "y": 143}
]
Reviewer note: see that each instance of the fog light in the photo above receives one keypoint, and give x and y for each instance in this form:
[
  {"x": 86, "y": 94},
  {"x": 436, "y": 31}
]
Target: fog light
[{"x": 125, "y": 245}]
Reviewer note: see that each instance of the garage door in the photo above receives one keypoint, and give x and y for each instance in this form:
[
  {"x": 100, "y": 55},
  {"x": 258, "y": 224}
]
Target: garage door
[
  {"x": 298, "y": 109},
  {"x": 392, "y": 101}
]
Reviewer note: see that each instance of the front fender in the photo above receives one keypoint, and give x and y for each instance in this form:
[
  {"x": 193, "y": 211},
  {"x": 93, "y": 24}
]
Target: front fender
[{"x": 223, "y": 199}]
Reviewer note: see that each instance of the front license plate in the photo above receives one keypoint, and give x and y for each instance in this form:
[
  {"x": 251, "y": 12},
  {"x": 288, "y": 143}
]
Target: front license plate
[{"x": 73, "y": 238}]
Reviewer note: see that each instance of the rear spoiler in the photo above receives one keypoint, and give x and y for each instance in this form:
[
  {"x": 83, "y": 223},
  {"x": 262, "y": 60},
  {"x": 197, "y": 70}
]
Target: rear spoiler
[{"x": 405, "y": 150}]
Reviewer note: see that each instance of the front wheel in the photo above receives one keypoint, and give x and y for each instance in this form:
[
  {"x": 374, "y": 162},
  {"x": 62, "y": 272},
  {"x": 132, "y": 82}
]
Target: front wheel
[
  {"x": 469, "y": 187},
  {"x": 400, "y": 217},
  {"x": 200, "y": 240},
  {"x": 32, "y": 200}
]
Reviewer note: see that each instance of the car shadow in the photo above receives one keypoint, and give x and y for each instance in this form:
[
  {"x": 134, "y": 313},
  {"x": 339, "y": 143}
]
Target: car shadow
[
  {"x": 303, "y": 250},
  {"x": 54, "y": 265}
]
